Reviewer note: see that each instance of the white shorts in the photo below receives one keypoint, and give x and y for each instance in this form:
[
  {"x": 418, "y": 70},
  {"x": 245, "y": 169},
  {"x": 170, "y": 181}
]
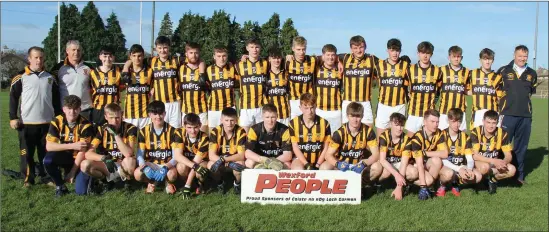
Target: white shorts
[
  {"x": 443, "y": 122},
  {"x": 294, "y": 109},
  {"x": 138, "y": 122},
  {"x": 414, "y": 123},
  {"x": 384, "y": 112},
  {"x": 285, "y": 121},
  {"x": 173, "y": 114},
  {"x": 368, "y": 116},
  {"x": 249, "y": 117},
  {"x": 214, "y": 118},
  {"x": 333, "y": 118},
  {"x": 203, "y": 118}
]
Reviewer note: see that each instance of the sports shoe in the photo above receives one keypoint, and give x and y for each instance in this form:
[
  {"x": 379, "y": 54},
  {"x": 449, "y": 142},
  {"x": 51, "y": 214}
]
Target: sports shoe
[
  {"x": 170, "y": 188},
  {"x": 221, "y": 188},
  {"x": 492, "y": 187},
  {"x": 237, "y": 189},
  {"x": 456, "y": 191},
  {"x": 150, "y": 188},
  {"x": 406, "y": 190},
  {"x": 441, "y": 191},
  {"x": 61, "y": 190}
]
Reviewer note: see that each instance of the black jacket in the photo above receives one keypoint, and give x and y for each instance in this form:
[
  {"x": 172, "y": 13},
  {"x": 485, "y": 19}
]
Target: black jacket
[{"x": 517, "y": 91}]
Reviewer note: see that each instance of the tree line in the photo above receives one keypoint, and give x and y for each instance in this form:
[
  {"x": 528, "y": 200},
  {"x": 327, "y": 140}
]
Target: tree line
[{"x": 219, "y": 29}]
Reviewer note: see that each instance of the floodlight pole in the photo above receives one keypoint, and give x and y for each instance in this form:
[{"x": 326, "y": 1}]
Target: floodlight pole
[
  {"x": 536, "y": 37},
  {"x": 58, "y": 31},
  {"x": 140, "y": 21},
  {"x": 152, "y": 31}
]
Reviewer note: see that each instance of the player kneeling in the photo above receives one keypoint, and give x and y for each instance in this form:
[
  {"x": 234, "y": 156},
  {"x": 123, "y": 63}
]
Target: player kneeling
[
  {"x": 154, "y": 154},
  {"x": 488, "y": 142},
  {"x": 354, "y": 147},
  {"x": 192, "y": 154},
  {"x": 269, "y": 145},
  {"x": 111, "y": 154},
  {"x": 458, "y": 167},
  {"x": 227, "y": 147},
  {"x": 394, "y": 155},
  {"x": 428, "y": 147}
]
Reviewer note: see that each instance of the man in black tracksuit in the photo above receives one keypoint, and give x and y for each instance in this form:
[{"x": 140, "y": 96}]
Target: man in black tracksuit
[{"x": 518, "y": 84}]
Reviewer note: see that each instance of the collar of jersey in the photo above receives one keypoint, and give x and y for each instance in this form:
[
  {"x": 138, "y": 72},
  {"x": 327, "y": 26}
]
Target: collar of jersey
[
  {"x": 163, "y": 128},
  {"x": 28, "y": 71},
  {"x": 449, "y": 137},
  {"x": 484, "y": 135},
  {"x": 67, "y": 63},
  {"x": 349, "y": 130},
  {"x": 275, "y": 129},
  {"x": 66, "y": 123},
  {"x": 315, "y": 121},
  {"x": 460, "y": 67}
]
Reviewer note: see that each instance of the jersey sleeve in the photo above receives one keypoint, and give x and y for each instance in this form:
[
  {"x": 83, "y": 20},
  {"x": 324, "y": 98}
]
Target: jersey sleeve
[
  {"x": 336, "y": 140},
  {"x": 286, "y": 142},
  {"x": 241, "y": 141},
  {"x": 506, "y": 145},
  {"x": 86, "y": 133},
  {"x": 252, "y": 139},
  {"x": 441, "y": 143},
  {"x": 416, "y": 146},
  {"x": 294, "y": 137},
  {"x": 16, "y": 89},
  {"x": 383, "y": 143},
  {"x": 98, "y": 138},
  {"x": 53, "y": 133},
  {"x": 203, "y": 147},
  {"x": 371, "y": 139},
  {"x": 177, "y": 139},
  {"x": 213, "y": 140},
  {"x": 474, "y": 142},
  {"x": 467, "y": 148},
  {"x": 407, "y": 151},
  {"x": 141, "y": 139},
  {"x": 328, "y": 132},
  {"x": 132, "y": 134}
]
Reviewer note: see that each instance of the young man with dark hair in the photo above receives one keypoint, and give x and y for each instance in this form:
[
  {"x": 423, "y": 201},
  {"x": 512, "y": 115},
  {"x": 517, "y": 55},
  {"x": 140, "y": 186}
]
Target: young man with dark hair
[
  {"x": 491, "y": 147},
  {"x": 222, "y": 76},
  {"x": 327, "y": 87},
  {"x": 105, "y": 85},
  {"x": 110, "y": 156},
  {"x": 269, "y": 143},
  {"x": 485, "y": 87},
  {"x": 251, "y": 74},
  {"x": 518, "y": 85},
  {"x": 67, "y": 141},
  {"x": 277, "y": 86},
  {"x": 425, "y": 80},
  {"x": 192, "y": 154},
  {"x": 136, "y": 77},
  {"x": 310, "y": 135},
  {"x": 35, "y": 94},
  {"x": 455, "y": 84},
  {"x": 193, "y": 86},
  {"x": 154, "y": 155},
  {"x": 393, "y": 85},
  {"x": 354, "y": 147},
  {"x": 428, "y": 147},
  {"x": 458, "y": 167},
  {"x": 300, "y": 71},
  {"x": 394, "y": 155},
  {"x": 227, "y": 147}
]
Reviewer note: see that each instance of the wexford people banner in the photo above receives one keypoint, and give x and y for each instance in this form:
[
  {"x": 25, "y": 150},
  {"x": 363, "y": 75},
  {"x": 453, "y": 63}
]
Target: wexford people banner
[{"x": 300, "y": 187}]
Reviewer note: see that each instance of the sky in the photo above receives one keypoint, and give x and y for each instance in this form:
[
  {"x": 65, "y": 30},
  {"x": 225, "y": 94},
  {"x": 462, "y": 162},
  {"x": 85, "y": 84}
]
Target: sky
[{"x": 500, "y": 26}]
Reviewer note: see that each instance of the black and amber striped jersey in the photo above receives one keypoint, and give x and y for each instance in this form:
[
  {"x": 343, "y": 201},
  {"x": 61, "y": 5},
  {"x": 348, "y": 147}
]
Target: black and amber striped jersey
[
  {"x": 61, "y": 132},
  {"x": 353, "y": 149},
  {"x": 457, "y": 148},
  {"x": 358, "y": 74},
  {"x": 105, "y": 143},
  {"x": 492, "y": 147},
  {"x": 454, "y": 87},
  {"x": 327, "y": 88},
  {"x": 424, "y": 85},
  {"x": 394, "y": 151},
  {"x": 276, "y": 90},
  {"x": 269, "y": 144},
  {"x": 137, "y": 93},
  {"x": 165, "y": 79},
  {"x": 193, "y": 90},
  {"x": 223, "y": 81},
  {"x": 227, "y": 146},
  {"x": 105, "y": 87},
  {"x": 158, "y": 148},
  {"x": 300, "y": 76},
  {"x": 485, "y": 88},
  {"x": 420, "y": 142},
  {"x": 310, "y": 140},
  {"x": 194, "y": 146},
  {"x": 252, "y": 76},
  {"x": 393, "y": 82}
]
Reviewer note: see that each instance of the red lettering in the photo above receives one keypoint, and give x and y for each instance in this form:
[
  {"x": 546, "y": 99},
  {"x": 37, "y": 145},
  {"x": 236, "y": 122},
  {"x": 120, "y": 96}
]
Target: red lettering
[
  {"x": 313, "y": 185},
  {"x": 265, "y": 181},
  {"x": 298, "y": 182},
  {"x": 340, "y": 186},
  {"x": 325, "y": 189},
  {"x": 283, "y": 185}
]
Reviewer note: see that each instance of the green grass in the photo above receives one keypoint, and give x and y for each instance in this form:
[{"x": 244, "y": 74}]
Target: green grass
[{"x": 511, "y": 208}]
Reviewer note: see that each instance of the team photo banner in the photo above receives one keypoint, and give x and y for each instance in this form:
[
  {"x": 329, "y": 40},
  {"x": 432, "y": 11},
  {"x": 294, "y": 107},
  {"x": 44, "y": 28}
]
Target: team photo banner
[{"x": 327, "y": 187}]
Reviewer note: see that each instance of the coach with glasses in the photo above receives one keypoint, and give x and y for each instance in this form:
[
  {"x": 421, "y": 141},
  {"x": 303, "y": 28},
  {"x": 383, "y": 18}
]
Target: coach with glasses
[{"x": 518, "y": 84}]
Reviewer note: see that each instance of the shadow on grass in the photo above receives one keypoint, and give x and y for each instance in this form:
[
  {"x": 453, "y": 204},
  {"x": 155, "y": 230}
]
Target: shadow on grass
[{"x": 533, "y": 159}]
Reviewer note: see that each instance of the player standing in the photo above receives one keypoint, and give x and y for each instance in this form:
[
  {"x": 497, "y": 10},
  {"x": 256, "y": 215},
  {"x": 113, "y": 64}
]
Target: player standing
[
  {"x": 300, "y": 71},
  {"x": 485, "y": 87},
  {"x": 455, "y": 84},
  {"x": 327, "y": 87},
  {"x": 277, "y": 86},
  {"x": 105, "y": 86},
  {"x": 136, "y": 78},
  {"x": 222, "y": 76},
  {"x": 193, "y": 86}
]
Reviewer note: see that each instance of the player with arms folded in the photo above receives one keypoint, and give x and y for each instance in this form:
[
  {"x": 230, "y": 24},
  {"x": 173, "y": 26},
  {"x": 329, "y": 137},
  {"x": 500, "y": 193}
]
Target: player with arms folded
[
  {"x": 192, "y": 153},
  {"x": 269, "y": 143},
  {"x": 227, "y": 147},
  {"x": 488, "y": 142},
  {"x": 394, "y": 155}
]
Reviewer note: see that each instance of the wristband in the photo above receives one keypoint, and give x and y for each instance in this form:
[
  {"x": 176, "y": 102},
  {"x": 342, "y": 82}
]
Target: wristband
[{"x": 195, "y": 166}]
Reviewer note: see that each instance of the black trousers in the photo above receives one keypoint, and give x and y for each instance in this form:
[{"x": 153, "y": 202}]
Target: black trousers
[
  {"x": 54, "y": 161},
  {"x": 32, "y": 138},
  {"x": 518, "y": 129}
]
